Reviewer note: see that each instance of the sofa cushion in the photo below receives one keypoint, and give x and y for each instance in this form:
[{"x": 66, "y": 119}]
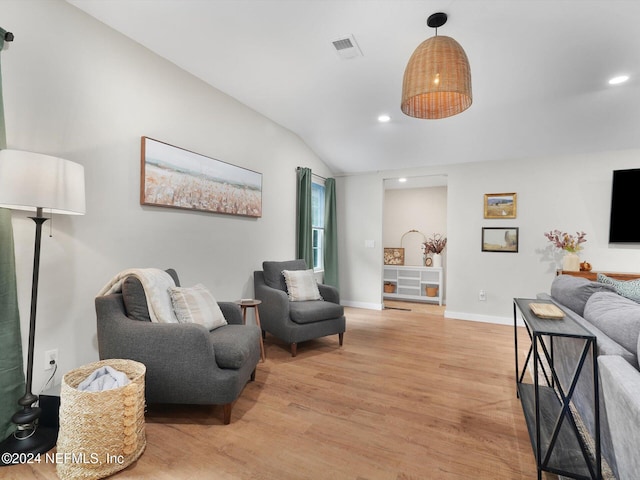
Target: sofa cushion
[
  {"x": 234, "y": 344},
  {"x": 573, "y": 292},
  {"x": 606, "y": 345},
  {"x": 273, "y": 272},
  {"x": 616, "y": 316},
  {"x": 301, "y": 285},
  {"x": 135, "y": 300},
  {"x": 314, "y": 311},
  {"x": 196, "y": 305},
  {"x": 626, "y": 288}
]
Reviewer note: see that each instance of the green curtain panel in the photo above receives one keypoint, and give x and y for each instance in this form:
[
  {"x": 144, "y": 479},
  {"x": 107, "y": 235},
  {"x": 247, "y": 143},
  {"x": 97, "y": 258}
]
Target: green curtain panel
[
  {"x": 3, "y": 132},
  {"x": 330, "y": 234},
  {"x": 304, "y": 241},
  {"x": 11, "y": 367}
]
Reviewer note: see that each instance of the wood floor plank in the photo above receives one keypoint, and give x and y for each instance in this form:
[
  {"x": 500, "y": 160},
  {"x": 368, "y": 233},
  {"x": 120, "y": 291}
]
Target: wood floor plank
[{"x": 411, "y": 395}]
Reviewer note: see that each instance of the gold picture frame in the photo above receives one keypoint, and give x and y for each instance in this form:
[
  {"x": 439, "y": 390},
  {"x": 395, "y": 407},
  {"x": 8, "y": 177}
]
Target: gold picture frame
[
  {"x": 500, "y": 205},
  {"x": 394, "y": 256}
]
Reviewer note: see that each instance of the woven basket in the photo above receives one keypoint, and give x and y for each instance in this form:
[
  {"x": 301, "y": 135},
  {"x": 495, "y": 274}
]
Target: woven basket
[{"x": 101, "y": 433}]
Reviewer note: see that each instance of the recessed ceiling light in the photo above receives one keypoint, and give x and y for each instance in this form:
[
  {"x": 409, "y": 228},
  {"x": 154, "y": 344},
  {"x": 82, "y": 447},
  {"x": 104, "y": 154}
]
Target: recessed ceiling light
[
  {"x": 384, "y": 118},
  {"x": 402, "y": 180},
  {"x": 618, "y": 80}
]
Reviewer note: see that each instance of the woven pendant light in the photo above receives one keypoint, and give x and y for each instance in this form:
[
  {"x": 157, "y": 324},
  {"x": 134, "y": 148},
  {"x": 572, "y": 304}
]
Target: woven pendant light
[{"x": 437, "y": 80}]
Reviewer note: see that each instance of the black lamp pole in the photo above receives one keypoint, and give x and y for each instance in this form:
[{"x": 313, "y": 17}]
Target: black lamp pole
[{"x": 29, "y": 437}]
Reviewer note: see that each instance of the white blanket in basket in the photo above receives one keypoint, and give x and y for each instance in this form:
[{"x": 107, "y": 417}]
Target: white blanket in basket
[{"x": 104, "y": 378}]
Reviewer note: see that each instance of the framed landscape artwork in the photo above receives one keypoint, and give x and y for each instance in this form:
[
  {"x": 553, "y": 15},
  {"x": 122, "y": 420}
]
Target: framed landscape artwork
[
  {"x": 495, "y": 239},
  {"x": 500, "y": 205},
  {"x": 394, "y": 256},
  {"x": 177, "y": 178}
]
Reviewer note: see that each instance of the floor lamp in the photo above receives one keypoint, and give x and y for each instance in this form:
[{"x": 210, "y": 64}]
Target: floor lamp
[{"x": 36, "y": 182}]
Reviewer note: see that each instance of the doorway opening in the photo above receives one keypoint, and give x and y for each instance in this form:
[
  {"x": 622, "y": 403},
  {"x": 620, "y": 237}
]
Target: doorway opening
[{"x": 415, "y": 209}]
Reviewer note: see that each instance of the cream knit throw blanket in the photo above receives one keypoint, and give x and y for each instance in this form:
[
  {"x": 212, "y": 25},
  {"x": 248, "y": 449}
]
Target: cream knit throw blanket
[{"x": 156, "y": 284}]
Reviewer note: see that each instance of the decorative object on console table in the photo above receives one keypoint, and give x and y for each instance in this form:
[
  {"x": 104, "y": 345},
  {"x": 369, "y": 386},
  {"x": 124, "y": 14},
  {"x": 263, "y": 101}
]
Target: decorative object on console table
[
  {"x": 591, "y": 275},
  {"x": 571, "y": 262},
  {"x": 570, "y": 244},
  {"x": 35, "y": 182}
]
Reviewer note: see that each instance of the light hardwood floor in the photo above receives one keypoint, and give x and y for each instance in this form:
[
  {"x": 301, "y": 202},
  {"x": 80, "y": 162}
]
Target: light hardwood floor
[{"x": 409, "y": 396}]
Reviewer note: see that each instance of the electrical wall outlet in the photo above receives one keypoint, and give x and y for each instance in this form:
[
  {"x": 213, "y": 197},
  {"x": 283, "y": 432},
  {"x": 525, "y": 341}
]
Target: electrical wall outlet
[
  {"x": 482, "y": 296},
  {"x": 50, "y": 359}
]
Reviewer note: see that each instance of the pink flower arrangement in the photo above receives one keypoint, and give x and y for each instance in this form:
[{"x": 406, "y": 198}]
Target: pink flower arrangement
[
  {"x": 564, "y": 241},
  {"x": 435, "y": 244}
]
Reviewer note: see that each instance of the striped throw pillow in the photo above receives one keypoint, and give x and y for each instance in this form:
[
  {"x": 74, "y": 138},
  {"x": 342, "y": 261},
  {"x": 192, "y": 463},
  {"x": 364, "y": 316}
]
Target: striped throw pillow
[
  {"x": 301, "y": 285},
  {"x": 196, "y": 305}
]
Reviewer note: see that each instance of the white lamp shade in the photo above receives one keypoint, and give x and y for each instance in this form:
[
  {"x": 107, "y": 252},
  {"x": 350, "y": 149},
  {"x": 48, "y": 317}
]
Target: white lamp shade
[{"x": 29, "y": 181}]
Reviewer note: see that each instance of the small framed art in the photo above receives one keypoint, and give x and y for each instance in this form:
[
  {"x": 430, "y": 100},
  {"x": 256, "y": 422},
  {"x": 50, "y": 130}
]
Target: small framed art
[
  {"x": 394, "y": 256},
  {"x": 500, "y": 205},
  {"x": 496, "y": 239}
]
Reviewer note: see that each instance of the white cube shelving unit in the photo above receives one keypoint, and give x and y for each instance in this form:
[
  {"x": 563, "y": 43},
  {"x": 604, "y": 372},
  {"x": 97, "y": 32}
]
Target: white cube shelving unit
[{"x": 411, "y": 282}]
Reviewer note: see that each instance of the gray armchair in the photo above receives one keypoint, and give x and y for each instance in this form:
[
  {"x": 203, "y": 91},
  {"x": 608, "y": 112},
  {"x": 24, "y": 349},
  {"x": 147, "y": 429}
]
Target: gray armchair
[
  {"x": 185, "y": 362},
  {"x": 296, "y": 322}
]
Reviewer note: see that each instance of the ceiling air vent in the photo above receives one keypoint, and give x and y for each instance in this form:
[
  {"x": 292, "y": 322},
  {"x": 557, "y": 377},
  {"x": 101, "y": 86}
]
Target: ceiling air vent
[{"x": 346, "y": 47}]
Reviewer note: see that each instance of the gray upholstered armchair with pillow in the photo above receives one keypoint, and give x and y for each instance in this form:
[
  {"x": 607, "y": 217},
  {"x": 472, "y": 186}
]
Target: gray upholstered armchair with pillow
[
  {"x": 186, "y": 362},
  {"x": 295, "y": 312}
]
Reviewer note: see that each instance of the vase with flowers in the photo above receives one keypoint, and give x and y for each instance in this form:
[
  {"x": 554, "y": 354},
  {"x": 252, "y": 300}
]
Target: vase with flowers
[
  {"x": 570, "y": 244},
  {"x": 433, "y": 246}
]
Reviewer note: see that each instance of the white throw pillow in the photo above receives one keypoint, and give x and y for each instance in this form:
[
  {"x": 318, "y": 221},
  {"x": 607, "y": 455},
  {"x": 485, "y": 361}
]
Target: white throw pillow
[
  {"x": 196, "y": 305},
  {"x": 301, "y": 285}
]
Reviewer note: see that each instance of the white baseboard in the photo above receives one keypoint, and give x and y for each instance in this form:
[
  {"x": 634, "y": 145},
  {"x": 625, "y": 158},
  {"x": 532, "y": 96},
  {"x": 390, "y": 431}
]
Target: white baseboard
[{"x": 368, "y": 306}]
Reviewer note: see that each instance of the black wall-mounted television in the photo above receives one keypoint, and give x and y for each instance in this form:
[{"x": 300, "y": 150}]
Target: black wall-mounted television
[{"x": 624, "y": 226}]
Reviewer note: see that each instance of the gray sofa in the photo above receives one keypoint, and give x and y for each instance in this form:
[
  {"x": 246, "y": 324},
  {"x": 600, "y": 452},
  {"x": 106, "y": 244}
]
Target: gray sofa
[
  {"x": 296, "y": 322},
  {"x": 185, "y": 362},
  {"x": 615, "y": 321}
]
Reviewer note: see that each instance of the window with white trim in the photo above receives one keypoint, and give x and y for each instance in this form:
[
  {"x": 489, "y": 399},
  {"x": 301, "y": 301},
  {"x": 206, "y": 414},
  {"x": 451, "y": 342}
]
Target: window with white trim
[{"x": 317, "y": 224}]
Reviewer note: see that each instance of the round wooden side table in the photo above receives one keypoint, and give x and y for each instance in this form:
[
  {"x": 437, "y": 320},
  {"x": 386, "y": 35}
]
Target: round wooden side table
[{"x": 252, "y": 303}]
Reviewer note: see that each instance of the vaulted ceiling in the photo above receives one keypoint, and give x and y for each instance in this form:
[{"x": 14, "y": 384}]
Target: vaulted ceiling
[{"x": 539, "y": 72}]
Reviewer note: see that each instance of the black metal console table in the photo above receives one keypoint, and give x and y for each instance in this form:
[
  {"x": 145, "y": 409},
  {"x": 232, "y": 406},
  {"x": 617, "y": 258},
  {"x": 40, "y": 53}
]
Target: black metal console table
[{"x": 557, "y": 444}]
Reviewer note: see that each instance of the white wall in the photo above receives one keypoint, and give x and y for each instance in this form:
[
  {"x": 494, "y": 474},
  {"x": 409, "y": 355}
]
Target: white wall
[
  {"x": 76, "y": 89},
  {"x": 566, "y": 192},
  {"x": 359, "y": 211}
]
